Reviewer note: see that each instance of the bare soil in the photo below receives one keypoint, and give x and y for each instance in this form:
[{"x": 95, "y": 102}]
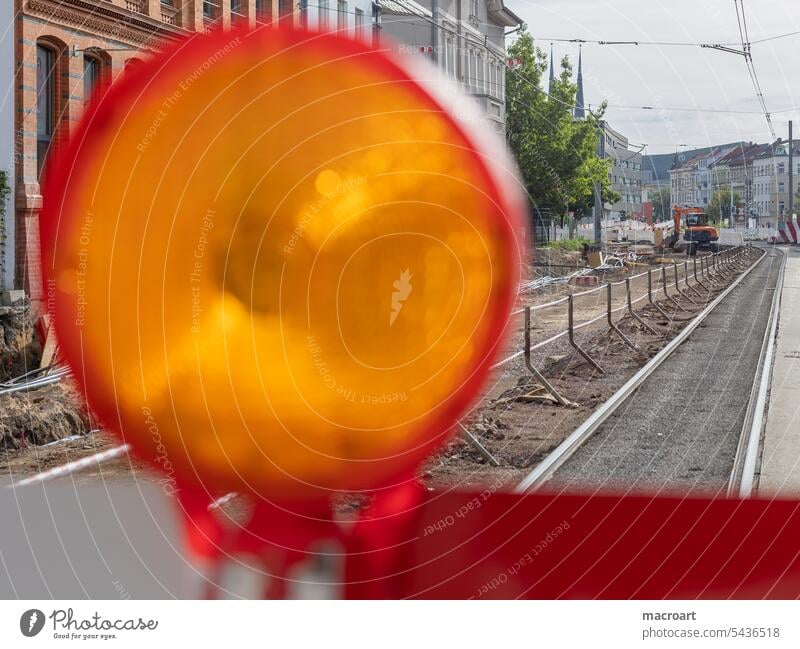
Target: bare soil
[
  {"x": 19, "y": 346},
  {"x": 515, "y": 420}
]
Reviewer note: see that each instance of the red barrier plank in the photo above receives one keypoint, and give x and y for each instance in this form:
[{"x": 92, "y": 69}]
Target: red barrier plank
[{"x": 498, "y": 545}]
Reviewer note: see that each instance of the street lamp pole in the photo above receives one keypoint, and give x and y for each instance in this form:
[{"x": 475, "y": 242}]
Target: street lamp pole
[{"x": 791, "y": 164}]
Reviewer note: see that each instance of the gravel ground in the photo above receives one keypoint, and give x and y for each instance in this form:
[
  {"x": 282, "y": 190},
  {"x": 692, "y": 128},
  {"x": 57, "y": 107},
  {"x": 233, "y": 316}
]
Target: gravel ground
[
  {"x": 519, "y": 432},
  {"x": 680, "y": 430}
]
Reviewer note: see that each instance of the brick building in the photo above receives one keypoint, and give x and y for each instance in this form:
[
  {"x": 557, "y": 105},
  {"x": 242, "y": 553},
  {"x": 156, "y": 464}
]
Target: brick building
[{"x": 61, "y": 51}]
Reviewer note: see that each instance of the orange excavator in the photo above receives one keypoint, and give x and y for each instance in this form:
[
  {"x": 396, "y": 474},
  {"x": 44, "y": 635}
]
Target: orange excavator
[{"x": 697, "y": 233}]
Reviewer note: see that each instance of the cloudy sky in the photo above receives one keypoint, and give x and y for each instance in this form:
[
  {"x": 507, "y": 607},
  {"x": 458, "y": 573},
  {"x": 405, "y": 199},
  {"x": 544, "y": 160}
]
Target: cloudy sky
[{"x": 676, "y": 76}]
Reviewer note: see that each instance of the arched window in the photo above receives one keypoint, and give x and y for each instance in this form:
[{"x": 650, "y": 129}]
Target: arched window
[
  {"x": 91, "y": 76},
  {"x": 132, "y": 63},
  {"x": 47, "y": 98},
  {"x": 96, "y": 72}
]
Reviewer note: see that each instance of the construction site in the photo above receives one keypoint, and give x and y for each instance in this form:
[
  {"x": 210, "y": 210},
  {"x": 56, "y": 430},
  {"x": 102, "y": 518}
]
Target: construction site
[{"x": 587, "y": 321}]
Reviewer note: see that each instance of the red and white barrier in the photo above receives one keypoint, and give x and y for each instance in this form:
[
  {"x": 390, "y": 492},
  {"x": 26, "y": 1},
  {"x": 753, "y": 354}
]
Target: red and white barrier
[
  {"x": 584, "y": 280},
  {"x": 788, "y": 232}
]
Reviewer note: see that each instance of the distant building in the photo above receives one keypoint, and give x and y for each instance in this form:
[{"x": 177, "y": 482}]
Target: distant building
[
  {"x": 771, "y": 182},
  {"x": 692, "y": 176},
  {"x": 625, "y": 174},
  {"x": 464, "y": 39},
  {"x": 580, "y": 108},
  {"x": 626, "y": 170},
  {"x": 734, "y": 173}
]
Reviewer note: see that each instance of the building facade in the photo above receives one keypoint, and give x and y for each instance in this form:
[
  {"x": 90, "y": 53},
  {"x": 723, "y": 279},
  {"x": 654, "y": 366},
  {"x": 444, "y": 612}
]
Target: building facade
[
  {"x": 734, "y": 173},
  {"x": 63, "y": 51},
  {"x": 625, "y": 174},
  {"x": 464, "y": 39},
  {"x": 692, "y": 180},
  {"x": 771, "y": 182}
]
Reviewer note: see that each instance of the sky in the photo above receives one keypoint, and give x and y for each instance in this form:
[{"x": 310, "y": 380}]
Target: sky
[{"x": 678, "y": 76}]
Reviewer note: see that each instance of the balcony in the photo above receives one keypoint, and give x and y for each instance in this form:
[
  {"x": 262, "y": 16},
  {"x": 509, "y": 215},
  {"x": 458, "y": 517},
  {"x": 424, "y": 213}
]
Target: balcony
[
  {"x": 136, "y": 6},
  {"x": 170, "y": 15}
]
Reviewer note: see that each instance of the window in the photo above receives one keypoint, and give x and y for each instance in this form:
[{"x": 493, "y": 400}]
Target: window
[
  {"x": 208, "y": 9},
  {"x": 236, "y": 7},
  {"x": 781, "y": 187},
  {"x": 376, "y": 32},
  {"x": 359, "y": 24},
  {"x": 264, "y": 10},
  {"x": 473, "y": 8},
  {"x": 45, "y": 103},
  {"x": 132, "y": 64},
  {"x": 781, "y": 168},
  {"x": 341, "y": 16},
  {"x": 323, "y": 15},
  {"x": 91, "y": 76},
  {"x": 285, "y": 12}
]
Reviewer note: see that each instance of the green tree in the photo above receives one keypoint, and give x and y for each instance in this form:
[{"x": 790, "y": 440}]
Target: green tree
[
  {"x": 556, "y": 154},
  {"x": 661, "y": 201},
  {"x": 720, "y": 202}
]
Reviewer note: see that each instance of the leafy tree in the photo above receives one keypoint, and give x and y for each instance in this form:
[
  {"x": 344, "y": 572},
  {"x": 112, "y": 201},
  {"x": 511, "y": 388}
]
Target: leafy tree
[
  {"x": 661, "y": 200},
  {"x": 557, "y": 154},
  {"x": 720, "y": 201}
]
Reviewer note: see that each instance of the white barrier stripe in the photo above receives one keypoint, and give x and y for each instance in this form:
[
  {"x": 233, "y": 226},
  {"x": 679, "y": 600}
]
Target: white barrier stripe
[
  {"x": 549, "y": 340},
  {"x": 75, "y": 465},
  {"x": 507, "y": 360},
  {"x": 539, "y": 307}
]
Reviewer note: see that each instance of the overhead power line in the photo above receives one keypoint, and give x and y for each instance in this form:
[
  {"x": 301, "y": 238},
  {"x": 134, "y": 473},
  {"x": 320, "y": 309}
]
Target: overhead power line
[
  {"x": 741, "y": 18},
  {"x": 609, "y": 41},
  {"x": 585, "y": 41}
]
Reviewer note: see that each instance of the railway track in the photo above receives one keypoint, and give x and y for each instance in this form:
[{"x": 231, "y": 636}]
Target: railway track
[{"x": 615, "y": 450}]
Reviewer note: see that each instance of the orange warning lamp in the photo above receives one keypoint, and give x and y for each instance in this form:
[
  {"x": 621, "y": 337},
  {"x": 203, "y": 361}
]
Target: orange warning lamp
[{"x": 280, "y": 265}]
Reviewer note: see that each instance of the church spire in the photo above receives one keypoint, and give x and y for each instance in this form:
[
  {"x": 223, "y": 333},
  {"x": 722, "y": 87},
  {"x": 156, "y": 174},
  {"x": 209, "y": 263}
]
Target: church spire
[
  {"x": 552, "y": 71},
  {"x": 580, "y": 113}
]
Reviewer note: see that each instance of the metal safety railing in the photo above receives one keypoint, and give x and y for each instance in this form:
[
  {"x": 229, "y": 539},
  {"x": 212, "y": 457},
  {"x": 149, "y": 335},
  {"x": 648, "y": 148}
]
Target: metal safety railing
[{"x": 708, "y": 272}]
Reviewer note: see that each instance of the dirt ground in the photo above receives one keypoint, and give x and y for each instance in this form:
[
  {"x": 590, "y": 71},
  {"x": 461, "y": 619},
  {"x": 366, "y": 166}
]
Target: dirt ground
[
  {"x": 19, "y": 346},
  {"x": 519, "y": 424}
]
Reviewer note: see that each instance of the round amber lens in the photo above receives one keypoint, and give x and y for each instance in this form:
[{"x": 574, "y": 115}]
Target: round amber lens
[{"x": 279, "y": 264}]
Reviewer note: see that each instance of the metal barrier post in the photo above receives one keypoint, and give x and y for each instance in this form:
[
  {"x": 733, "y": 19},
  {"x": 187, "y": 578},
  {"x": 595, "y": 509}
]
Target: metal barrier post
[
  {"x": 539, "y": 376},
  {"x": 633, "y": 314},
  {"x": 681, "y": 292},
  {"x": 666, "y": 294},
  {"x": 475, "y": 443},
  {"x": 697, "y": 279},
  {"x": 650, "y": 295},
  {"x": 711, "y": 273},
  {"x": 611, "y": 324},
  {"x": 686, "y": 279},
  {"x": 572, "y": 342}
]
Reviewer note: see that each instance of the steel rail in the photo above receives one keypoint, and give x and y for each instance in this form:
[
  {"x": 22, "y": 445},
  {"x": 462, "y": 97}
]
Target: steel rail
[
  {"x": 547, "y": 467},
  {"x": 742, "y": 477}
]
